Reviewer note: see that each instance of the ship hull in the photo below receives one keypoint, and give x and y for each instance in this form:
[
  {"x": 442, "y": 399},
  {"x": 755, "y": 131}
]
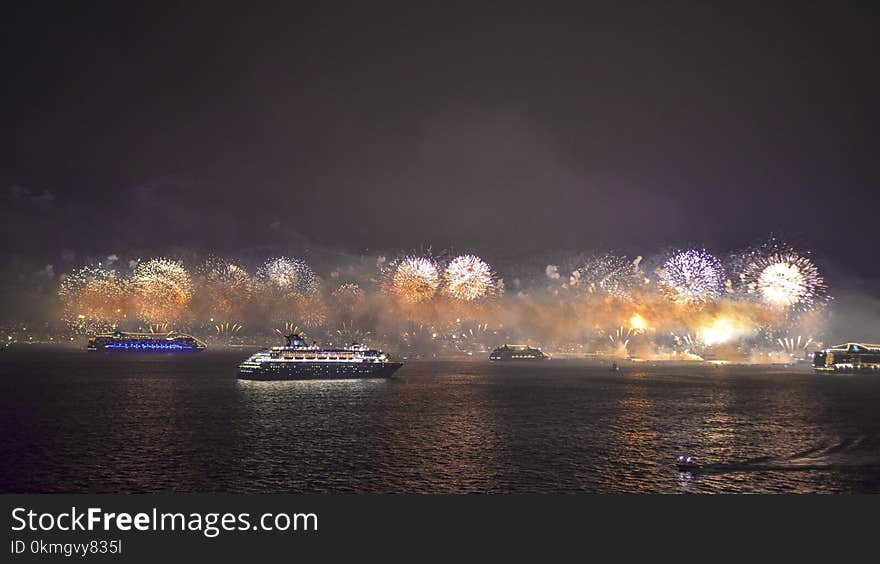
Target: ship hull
[
  {"x": 537, "y": 359},
  {"x": 143, "y": 348},
  {"x": 318, "y": 371},
  {"x": 846, "y": 368},
  {"x": 515, "y": 353}
]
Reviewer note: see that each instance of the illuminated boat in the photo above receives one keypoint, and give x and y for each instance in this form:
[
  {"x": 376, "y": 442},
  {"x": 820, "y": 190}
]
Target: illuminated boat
[
  {"x": 146, "y": 342},
  {"x": 517, "y": 352},
  {"x": 687, "y": 463},
  {"x": 300, "y": 361},
  {"x": 848, "y": 357}
]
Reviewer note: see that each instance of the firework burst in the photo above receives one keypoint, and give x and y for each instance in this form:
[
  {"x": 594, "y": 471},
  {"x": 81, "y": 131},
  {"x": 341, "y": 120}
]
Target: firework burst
[
  {"x": 784, "y": 279},
  {"x": 312, "y": 311},
  {"x": 414, "y": 279},
  {"x": 223, "y": 287},
  {"x": 92, "y": 298},
  {"x": 610, "y": 274},
  {"x": 348, "y": 297},
  {"x": 161, "y": 289},
  {"x": 692, "y": 277},
  {"x": 468, "y": 278},
  {"x": 284, "y": 276}
]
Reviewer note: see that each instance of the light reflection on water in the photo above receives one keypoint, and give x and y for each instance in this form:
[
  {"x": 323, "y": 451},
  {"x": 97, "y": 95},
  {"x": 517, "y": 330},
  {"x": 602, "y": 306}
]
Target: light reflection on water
[
  {"x": 274, "y": 386},
  {"x": 80, "y": 422}
]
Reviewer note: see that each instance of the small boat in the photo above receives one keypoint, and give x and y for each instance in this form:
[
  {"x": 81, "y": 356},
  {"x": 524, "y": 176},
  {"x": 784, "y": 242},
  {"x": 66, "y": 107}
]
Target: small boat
[
  {"x": 614, "y": 367},
  {"x": 686, "y": 463}
]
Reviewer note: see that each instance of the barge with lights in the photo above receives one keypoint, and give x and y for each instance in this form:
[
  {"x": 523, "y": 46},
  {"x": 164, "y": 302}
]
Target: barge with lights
[
  {"x": 848, "y": 357},
  {"x": 300, "y": 361},
  {"x": 171, "y": 341}
]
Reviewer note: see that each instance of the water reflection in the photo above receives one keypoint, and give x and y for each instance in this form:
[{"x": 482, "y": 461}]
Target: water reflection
[
  {"x": 634, "y": 434},
  {"x": 456, "y": 441},
  {"x": 81, "y": 423},
  {"x": 306, "y": 435},
  {"x": 687, "y": 483}
]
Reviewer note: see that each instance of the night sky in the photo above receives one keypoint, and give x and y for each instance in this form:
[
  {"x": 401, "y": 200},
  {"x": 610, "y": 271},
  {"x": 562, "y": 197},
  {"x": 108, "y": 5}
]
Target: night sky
[{"x": 499, "y": 128}]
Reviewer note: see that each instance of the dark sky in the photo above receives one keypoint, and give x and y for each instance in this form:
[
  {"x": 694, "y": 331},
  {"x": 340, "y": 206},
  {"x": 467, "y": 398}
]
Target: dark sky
[{"x": 499, "y": 128}]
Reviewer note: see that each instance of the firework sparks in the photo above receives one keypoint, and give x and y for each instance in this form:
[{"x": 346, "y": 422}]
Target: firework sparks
[
  {"x": 312, "y": 311},
  {"x": 227, "y": 329},
  {"x": 224, "y": 287},
  {"x": 774, "y": 293},
  {"x": 161, "y": 289},
  {"x": 288, "y": 329},
  {"x": 620, "y": 338},
  {"x": 688, "y": 343},
  {"x": 785, "y": 279},
  {"x": 794, "y": 345},
  {"x": 347, "y": 297},
  {"x": 157, "y": 327},
  {"x": 415, "y": 279},
  {"x": 284, "y": 276},
  {"x": 692, "y": 277},
  {"x": 610, "y": 274},
  {"x": 92, "y": 299},
  {"x": 468, "y": 278},
  {"x": 348, "y": 334}
]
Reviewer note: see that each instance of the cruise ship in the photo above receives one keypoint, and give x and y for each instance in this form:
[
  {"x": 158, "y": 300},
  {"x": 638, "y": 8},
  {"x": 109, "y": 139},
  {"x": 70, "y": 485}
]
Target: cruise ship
[
  {"x": 146, "y": 342},
  {"x": 848, "y": 357},
  {"x": 300, "y": 361},
  {"x": 517, "y": 352}
]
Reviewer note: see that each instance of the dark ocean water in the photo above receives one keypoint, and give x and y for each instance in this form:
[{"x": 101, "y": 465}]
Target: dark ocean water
[{"x": 74, "y": 421}]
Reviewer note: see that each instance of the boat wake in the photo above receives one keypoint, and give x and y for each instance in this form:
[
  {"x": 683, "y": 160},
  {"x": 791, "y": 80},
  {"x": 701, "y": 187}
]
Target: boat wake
[{"x": 850, "y": 453}]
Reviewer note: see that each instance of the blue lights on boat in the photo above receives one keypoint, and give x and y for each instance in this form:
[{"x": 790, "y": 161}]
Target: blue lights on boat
[
  {"x": 146, "y": 342},
  {"x": 152, "y": 346}
]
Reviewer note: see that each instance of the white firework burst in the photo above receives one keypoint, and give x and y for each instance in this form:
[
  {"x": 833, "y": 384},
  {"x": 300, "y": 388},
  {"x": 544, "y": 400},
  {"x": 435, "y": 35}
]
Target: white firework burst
[
  {"x": 468, "y": 278},
  {"x": 610, "y": 274},
  {"x": 692, "y": 276},
  {"x": 785, "y": 279},
  {"x": 283, "y": 276}
]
